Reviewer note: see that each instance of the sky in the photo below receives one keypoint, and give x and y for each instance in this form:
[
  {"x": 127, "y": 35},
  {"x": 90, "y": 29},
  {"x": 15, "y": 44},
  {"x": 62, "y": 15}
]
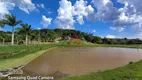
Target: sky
[{"x": 104, "y": 18}]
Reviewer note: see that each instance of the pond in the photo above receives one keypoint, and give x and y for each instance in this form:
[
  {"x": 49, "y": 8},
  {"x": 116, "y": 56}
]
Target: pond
[{"x": 71, "y": 61}]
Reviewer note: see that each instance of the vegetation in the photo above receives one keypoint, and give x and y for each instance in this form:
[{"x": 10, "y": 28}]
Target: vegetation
[
  {"x": 23, "y": 59},
  {"x": 53, "y": 35},
  {"x": 1, "y": 23},
  {"x": 26, "y": 29},
  {"x": 11, "y": 21},
  {"x": 76, "y": 41},
  {"x": 25, "y": 54}
]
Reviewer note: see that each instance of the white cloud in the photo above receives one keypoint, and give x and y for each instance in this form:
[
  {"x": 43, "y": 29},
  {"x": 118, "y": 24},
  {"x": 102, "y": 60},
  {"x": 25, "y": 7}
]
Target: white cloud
[
  {"x": 129, "y": 16},
  {"x": 135, "y": 5},
  {"x": 68, "y": 14},
  {"x": 46, "y": 21},
  {"x": 65, "y": 19},
  {"x": 80, "y": 20},
  {"x": 49, "y": 12},
  {"x": 5, "y": 7},
  {"x": 24, "y": 5},
  {"x": 119, "y": 29},
  {"x": 40, "y": 5},
  {"x": 81, "y": 9},
  {"x": 105, "y": 10},
  {"x": 110, "y": 36},
  {"x": 94, "y": 31}
]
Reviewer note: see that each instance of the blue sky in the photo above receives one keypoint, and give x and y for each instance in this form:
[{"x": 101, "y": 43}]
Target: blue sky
[{"x": 105, "y": 18}]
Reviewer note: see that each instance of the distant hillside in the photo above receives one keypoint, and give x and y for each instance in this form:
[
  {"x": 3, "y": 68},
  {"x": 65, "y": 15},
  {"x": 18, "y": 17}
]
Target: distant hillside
[{"x": 51, "y": 35}]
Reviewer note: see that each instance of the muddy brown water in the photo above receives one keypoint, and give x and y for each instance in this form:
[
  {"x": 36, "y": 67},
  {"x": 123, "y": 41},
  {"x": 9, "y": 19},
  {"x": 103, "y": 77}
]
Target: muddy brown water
[{"x": 73, "y": 61}]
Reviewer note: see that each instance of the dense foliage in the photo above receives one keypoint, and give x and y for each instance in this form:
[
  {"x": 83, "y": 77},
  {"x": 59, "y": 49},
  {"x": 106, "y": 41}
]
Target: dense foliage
[
  {"x": 52, "y": 35},
  {"x": 11, "y": 21}
]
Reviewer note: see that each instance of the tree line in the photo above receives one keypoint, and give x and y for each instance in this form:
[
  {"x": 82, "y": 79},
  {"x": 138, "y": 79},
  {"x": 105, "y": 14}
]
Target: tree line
[{"x": 25, "y": 33}]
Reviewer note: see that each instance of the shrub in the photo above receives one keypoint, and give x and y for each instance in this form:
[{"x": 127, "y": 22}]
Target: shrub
[{"x": 75, "y": 41}]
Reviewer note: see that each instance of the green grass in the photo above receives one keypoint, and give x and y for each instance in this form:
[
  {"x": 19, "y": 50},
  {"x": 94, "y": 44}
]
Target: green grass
[
  {"x": 102, "y": 45},
  {"x": 18, "y": 60},
  {"x": 22, "y": 58},
  {"x": 129, "y": 72},
  {"x": 16, "y": 48}
]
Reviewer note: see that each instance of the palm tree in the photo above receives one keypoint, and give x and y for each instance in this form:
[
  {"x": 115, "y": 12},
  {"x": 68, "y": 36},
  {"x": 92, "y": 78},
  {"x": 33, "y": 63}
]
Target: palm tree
[
  {"x": 11, "y": 21},
  {"x": 2, "y": 34},
  {"x": 26, "y": 29}
]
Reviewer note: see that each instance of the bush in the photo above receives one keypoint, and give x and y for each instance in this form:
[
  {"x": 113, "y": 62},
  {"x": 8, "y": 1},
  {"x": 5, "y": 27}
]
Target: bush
[{"x": 75, "y": 41}]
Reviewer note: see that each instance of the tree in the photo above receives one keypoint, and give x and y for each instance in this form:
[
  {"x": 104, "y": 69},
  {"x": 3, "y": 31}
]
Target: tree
[
  {"x": 26, "y": 29},
  {"x": 89, "y": 37},
  {"x": 65, "y": 34},
  {"x": 97, "y": 39},
  {"x": 114, "y": 41},
  {"x": 2, "y": 36},
  {"x": 75, "y": 36},
  {"x": 106, "y": 41},
  {"x": 35, "y": 35},
  {"x": 44, "y": 35},
  {"x": 19, "y": 38},
  {"x": 123, "y": 41},
  {"x": 11, "y": 21},
  {"x": 52, "y": 36}
]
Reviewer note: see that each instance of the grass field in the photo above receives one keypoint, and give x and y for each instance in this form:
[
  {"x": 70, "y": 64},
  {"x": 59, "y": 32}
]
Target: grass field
[{"x": 16, "y": 48}]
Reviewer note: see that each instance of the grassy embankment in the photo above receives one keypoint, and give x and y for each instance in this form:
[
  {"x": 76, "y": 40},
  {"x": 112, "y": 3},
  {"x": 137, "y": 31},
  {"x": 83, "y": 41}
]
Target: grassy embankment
[{"x": 20, "y": 55}]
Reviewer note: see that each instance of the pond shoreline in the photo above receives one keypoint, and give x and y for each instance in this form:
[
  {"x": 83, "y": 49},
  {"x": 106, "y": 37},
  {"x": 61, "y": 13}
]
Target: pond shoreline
[
  {"x": 18, "y": 69},
  {"x": 15, "y": 70},
  {"x": 128, "y": 72},
  {"x": 111, "y": 46},
  {"x": 75, "y": 60}
]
